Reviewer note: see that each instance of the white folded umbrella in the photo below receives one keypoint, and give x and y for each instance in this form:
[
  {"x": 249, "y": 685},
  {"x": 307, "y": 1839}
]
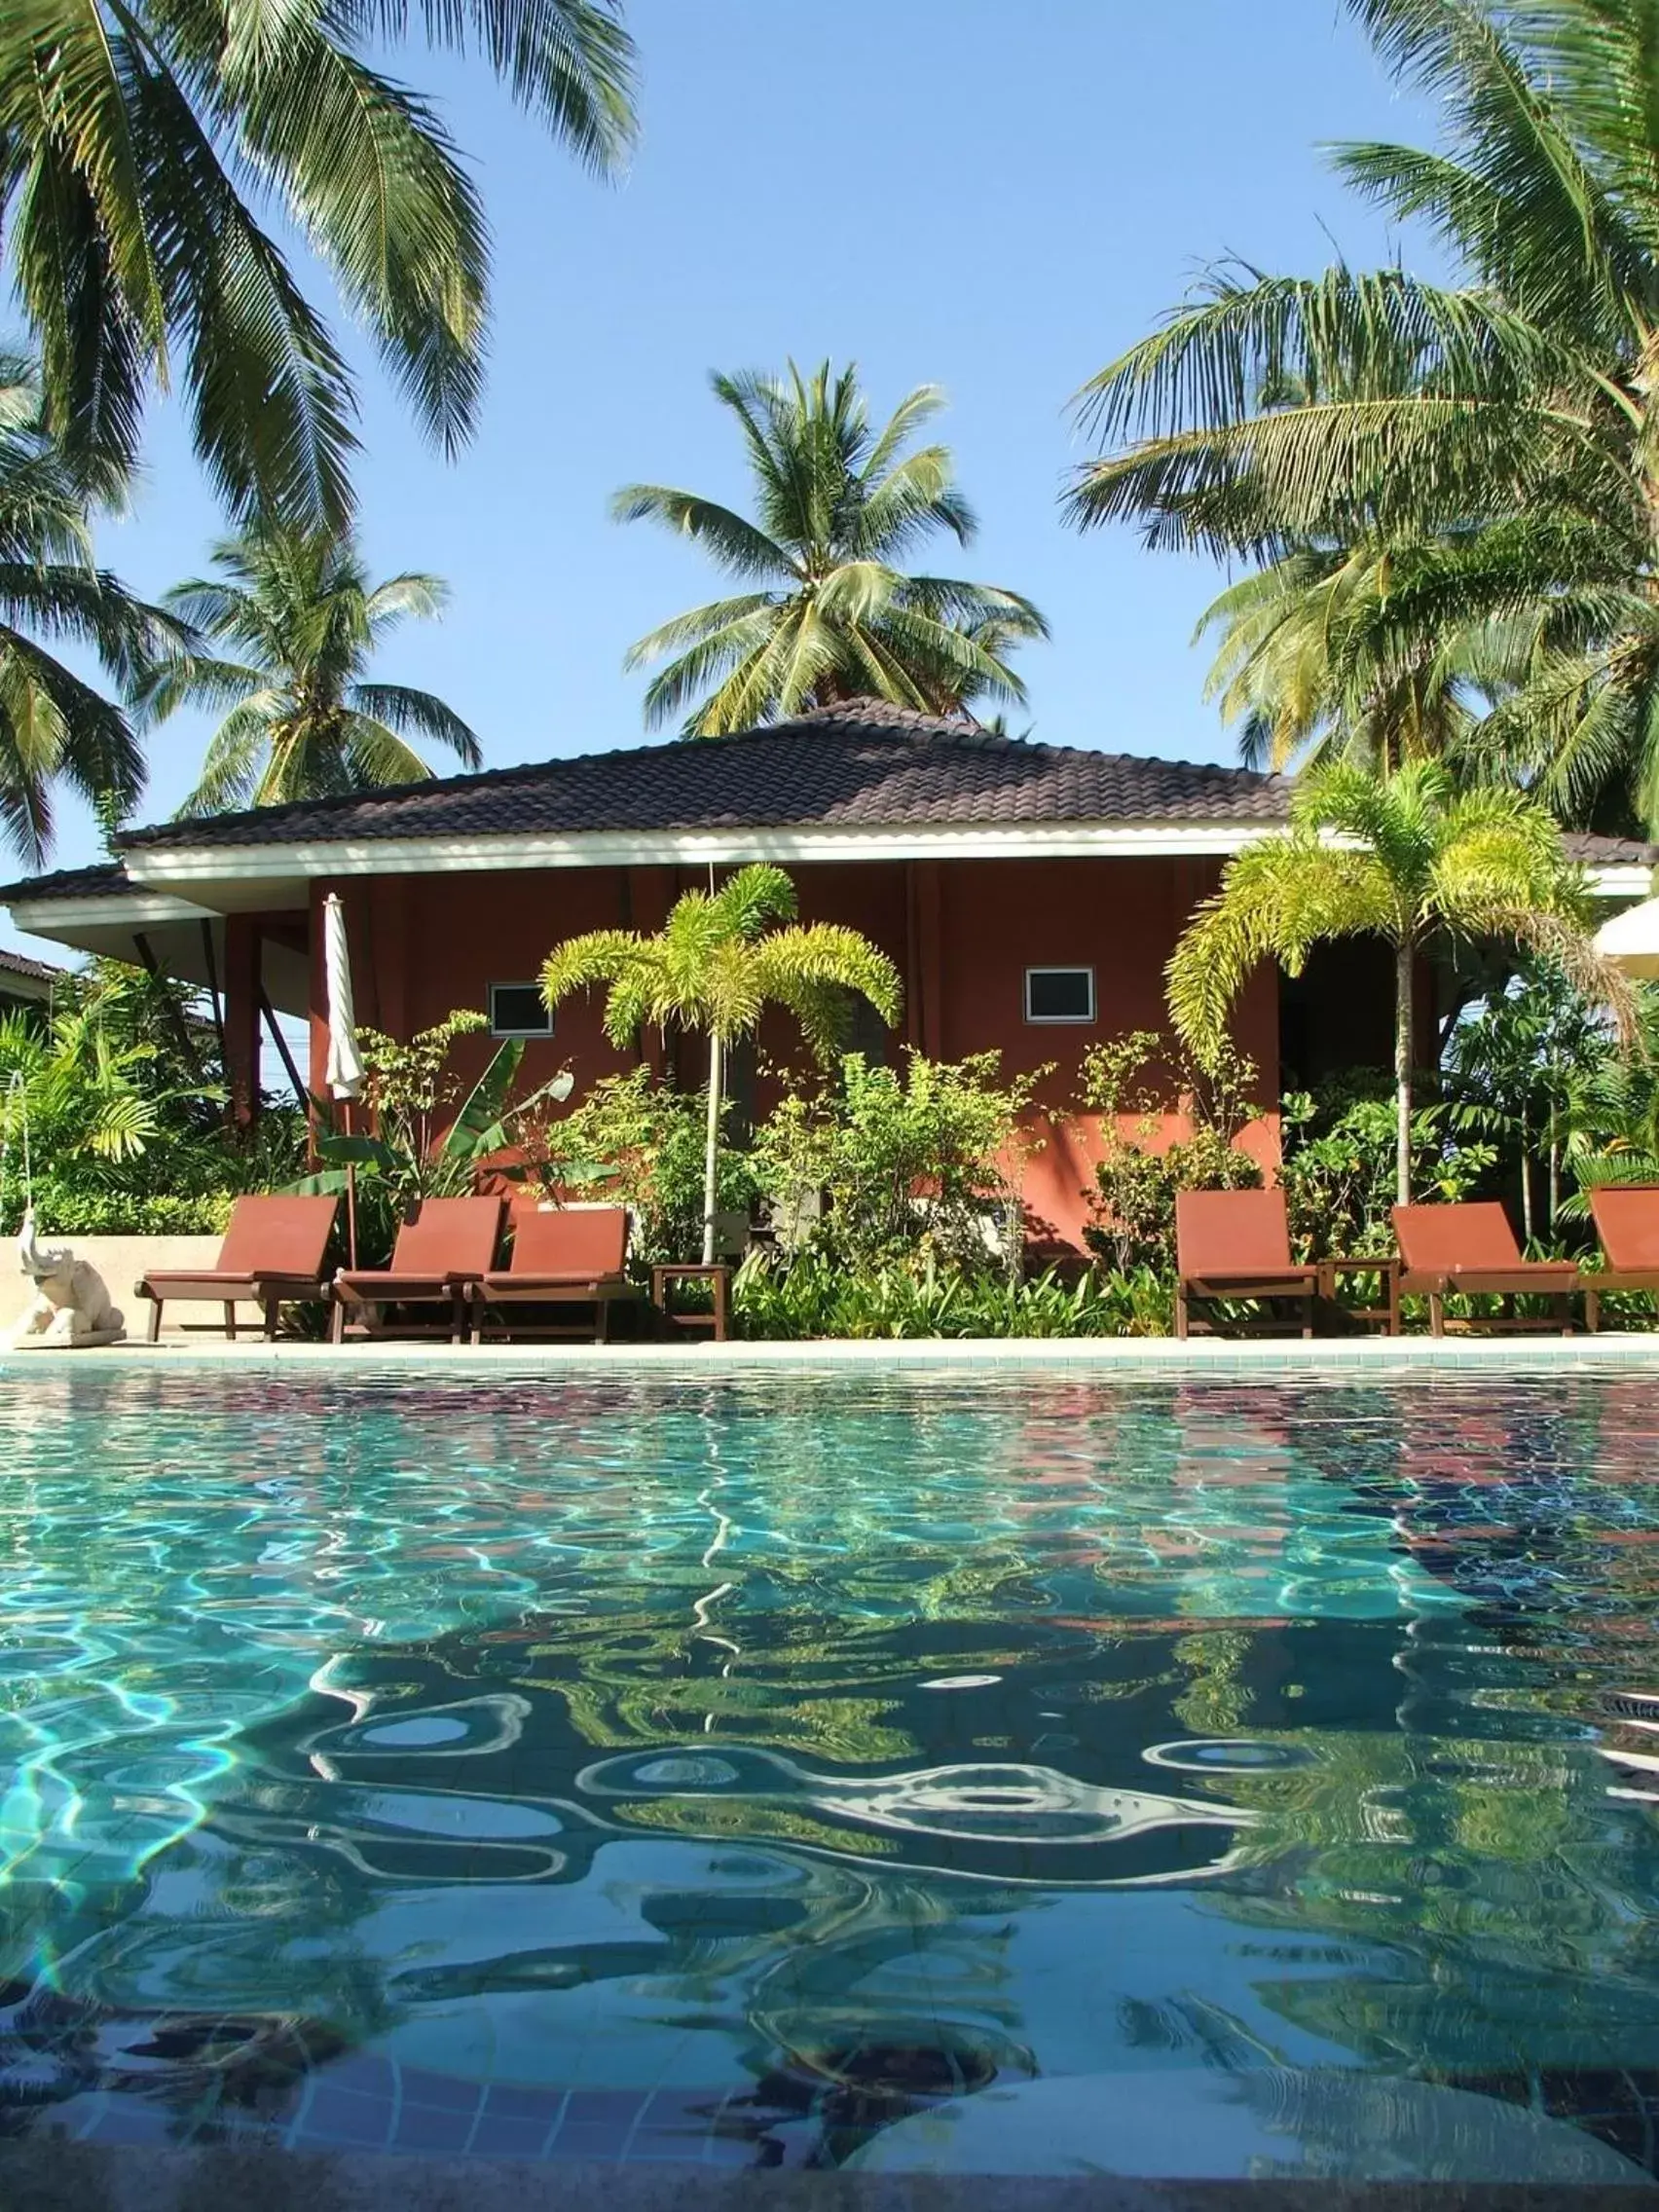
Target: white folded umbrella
[
  {"x": 345, "y": 1070},
  {"x": 1630, "y": 940}
]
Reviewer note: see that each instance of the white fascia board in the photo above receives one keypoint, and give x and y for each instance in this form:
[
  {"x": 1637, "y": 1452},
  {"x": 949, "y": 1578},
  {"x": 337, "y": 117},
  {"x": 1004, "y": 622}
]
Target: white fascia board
[
  {"x": 424, "y": 856},
  {"x": 123, "y": 909},
  {"x": 607, "y": 848},
  {"x": 1620, "y": 880}
]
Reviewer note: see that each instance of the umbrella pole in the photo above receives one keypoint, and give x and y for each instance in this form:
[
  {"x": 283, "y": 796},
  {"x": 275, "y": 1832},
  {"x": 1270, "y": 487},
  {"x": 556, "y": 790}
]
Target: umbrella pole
[{"x": 351, "y": 1194}]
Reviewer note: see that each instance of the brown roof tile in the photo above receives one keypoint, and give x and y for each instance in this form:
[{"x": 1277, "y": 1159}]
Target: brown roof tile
[
  {"x": 862, "y": 765},
  {"x": 105, "y": 876},
  {"x": 19, "y": 963},
  {"x": 1610, "y": 851}
]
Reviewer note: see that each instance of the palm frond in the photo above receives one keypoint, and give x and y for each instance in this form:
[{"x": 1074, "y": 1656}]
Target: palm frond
[
  {"x": 836, "y": 505},
  {"x": 419, "y": 713}
]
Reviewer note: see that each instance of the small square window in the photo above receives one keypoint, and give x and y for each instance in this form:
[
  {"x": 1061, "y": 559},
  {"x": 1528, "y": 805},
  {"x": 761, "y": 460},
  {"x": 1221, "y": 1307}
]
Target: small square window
[
  {"x": 519, "y": 1010},
  {"x": 1059, "y": 994}
]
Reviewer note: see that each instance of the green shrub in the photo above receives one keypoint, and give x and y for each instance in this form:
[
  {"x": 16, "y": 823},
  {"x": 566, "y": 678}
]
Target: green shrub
[
  {"x": 430, "y": 1132},
  {"x": 119, "y": 1105},
  {"x": 65, "y": 1210},
  {"x": 915, "y": 1167},
  {"x": 813, "y": 1296},
  {"x": 1130, "y": 1083},
  {"x": 633, "y": 1139},
  {"x": 1339, "y": 1167}
]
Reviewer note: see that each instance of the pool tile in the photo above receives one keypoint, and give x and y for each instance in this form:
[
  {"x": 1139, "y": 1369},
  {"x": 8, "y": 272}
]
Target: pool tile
[
  {"x": 335, "y": 2116},
  {"x": 504, "y": 2135},
  {"x": 591, "y": 2140},
  {"x": 429, "y": 2128}
]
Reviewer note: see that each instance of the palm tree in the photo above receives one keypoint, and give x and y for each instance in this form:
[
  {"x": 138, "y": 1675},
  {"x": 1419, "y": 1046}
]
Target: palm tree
[
  {"x": 54, "y": 728},
  {"x": 302, "y": 619},
  {"x": 1406, "y": 858},
  {"x": 1339, "y": 654},
  {"x": 130, "y": 132},
  {"x": 719, "y": 962},
  {"x": 1502, "y": 429},
  {"x": 828, "y": 614}
]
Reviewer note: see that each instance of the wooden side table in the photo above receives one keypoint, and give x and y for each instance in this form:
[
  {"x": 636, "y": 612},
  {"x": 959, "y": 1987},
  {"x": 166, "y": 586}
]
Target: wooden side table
[
  {"x": 716, "y": 1274},
  {"x": 1387, "y": 1270}
]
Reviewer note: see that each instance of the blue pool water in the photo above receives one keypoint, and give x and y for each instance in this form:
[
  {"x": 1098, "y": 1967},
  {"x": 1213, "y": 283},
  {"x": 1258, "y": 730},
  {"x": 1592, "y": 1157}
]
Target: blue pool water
[{"x": 732, "y": 1770}]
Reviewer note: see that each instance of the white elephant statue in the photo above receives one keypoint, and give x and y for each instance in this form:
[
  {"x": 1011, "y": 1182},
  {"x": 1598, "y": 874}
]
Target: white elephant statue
[{"x": 71, "y": 1302}]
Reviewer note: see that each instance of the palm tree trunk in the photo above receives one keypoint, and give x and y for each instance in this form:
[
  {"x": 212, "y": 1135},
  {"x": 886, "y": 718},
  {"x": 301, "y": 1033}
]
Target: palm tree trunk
[
  {"x": 1526, "y": 1180},
  {"x": 1404, "y": 961},
  {"x": 710, "y": 1151}
]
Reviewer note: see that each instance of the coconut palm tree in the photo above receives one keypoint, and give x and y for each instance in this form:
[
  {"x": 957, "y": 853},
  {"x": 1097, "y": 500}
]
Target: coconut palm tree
[
  {"x": 130, "y": 134},
  {"x": 54, "y": 728},
  {"x": 1341, "y": 654},
  {"x": 1509, "y": 420},
  {"x": 719, "y": 961},
  {"x": 302, "y": 618},
  {"x": 1407, "y": 858},
  {"x": 827, "y": 612}
]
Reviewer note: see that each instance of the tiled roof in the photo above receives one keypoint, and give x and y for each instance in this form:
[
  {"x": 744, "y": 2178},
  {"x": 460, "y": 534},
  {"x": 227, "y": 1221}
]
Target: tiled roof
[
  {"x": 108, "y": 877},
  {"x": 18, "y": 964},
  {"x": 864, "y": 765},
  {"x": 861, "y": 766},
  {"x": 1610, "y": 851}
]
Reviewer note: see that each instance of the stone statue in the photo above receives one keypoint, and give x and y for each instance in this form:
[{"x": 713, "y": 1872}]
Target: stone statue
[{"x": 71, "y": 1302}]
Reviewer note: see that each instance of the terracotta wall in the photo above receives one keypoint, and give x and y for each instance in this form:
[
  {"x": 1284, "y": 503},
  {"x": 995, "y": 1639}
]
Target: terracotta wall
[
  {"x": 1121, "y": 917},
  {"x": 961, "y": 934}
]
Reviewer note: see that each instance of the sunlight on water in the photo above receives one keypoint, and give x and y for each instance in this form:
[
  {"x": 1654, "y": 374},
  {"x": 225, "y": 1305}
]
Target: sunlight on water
[{"x": 723, "y": 1742}]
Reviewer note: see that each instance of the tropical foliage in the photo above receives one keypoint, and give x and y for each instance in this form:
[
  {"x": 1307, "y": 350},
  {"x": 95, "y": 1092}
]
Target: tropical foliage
[
  {"x": 814, "y": 1296},
  {"x": 113, "y": 1114},
  {"x": 298, "y": 613},
  {"x": 1514, "y": 1064},
  {"x": 635, "y": 1140},
  {"x": 1466, "y": 468},
  {"x": 827, "y": 612},
  {"x": 1316, "y": 660},
  {"x": 146, "y": 146},
  {"x": 429, "y": 1132},
  {"x": 56, "y": 730},
  {"x": 1341, "y": 1163},
  {"x": 915, "y": 1167},
  {"x": 1407, "y": 858},
  {"x": 719, "y": 960},
  {"x": 1129, "y": 1084},
  {"x": 1609, "y": 1116}
]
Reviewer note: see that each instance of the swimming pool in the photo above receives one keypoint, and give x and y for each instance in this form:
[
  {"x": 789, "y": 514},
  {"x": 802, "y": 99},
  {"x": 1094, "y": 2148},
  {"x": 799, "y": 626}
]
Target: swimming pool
[{"x": 734, "y": 1769}]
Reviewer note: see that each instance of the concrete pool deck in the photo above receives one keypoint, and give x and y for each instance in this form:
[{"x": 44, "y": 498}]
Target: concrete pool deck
[{"x": 1610, "y": 1350}]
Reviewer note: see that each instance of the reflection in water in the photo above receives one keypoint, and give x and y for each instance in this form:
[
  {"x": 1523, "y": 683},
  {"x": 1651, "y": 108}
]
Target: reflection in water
[{"x": 816, "y": 1751}]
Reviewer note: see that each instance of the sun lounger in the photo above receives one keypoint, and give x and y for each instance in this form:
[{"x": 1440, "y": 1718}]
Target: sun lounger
[
  {"x": 570, "y": 1257},
  {"x": 272, "y": 1256},
  {"x": 1470, "y": 1248},
  {"x": 440, "y": 1256},
  {"x": 1627, "y": 1221},
  {"x": 1235, "y": 1244}
]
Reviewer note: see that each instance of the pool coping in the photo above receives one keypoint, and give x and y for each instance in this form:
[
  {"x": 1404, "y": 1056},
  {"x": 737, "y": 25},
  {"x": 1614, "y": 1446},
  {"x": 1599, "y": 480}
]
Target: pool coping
[
  {"x": 54, "y": 2176},
  {"x": 1609, "y": 1349}
]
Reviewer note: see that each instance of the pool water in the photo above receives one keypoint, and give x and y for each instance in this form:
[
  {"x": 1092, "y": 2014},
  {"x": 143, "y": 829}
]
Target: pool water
[{"x": 730, "y": 1771}]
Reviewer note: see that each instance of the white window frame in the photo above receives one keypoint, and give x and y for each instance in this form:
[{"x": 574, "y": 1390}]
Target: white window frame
[
  {"x": 1061, "y": 1020},
  {"x": 496, "y": 1031}
]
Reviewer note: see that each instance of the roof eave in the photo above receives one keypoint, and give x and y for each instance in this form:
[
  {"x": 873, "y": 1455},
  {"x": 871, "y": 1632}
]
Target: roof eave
[{"x": 179, "y": 867}]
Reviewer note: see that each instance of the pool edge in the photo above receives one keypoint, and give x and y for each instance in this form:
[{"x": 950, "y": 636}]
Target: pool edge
[
  {"x": 1166, "y": 1354},
  {"x": 54, "y": 2176}
]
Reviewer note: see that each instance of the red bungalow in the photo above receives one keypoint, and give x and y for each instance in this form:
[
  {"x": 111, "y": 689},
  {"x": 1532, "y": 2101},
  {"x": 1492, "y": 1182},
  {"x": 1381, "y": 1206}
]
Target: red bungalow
[{"x": 1029, "y": 894}]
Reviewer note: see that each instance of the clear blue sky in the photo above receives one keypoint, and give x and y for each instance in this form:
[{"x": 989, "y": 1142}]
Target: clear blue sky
[{"x": 994, "y": 198}]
